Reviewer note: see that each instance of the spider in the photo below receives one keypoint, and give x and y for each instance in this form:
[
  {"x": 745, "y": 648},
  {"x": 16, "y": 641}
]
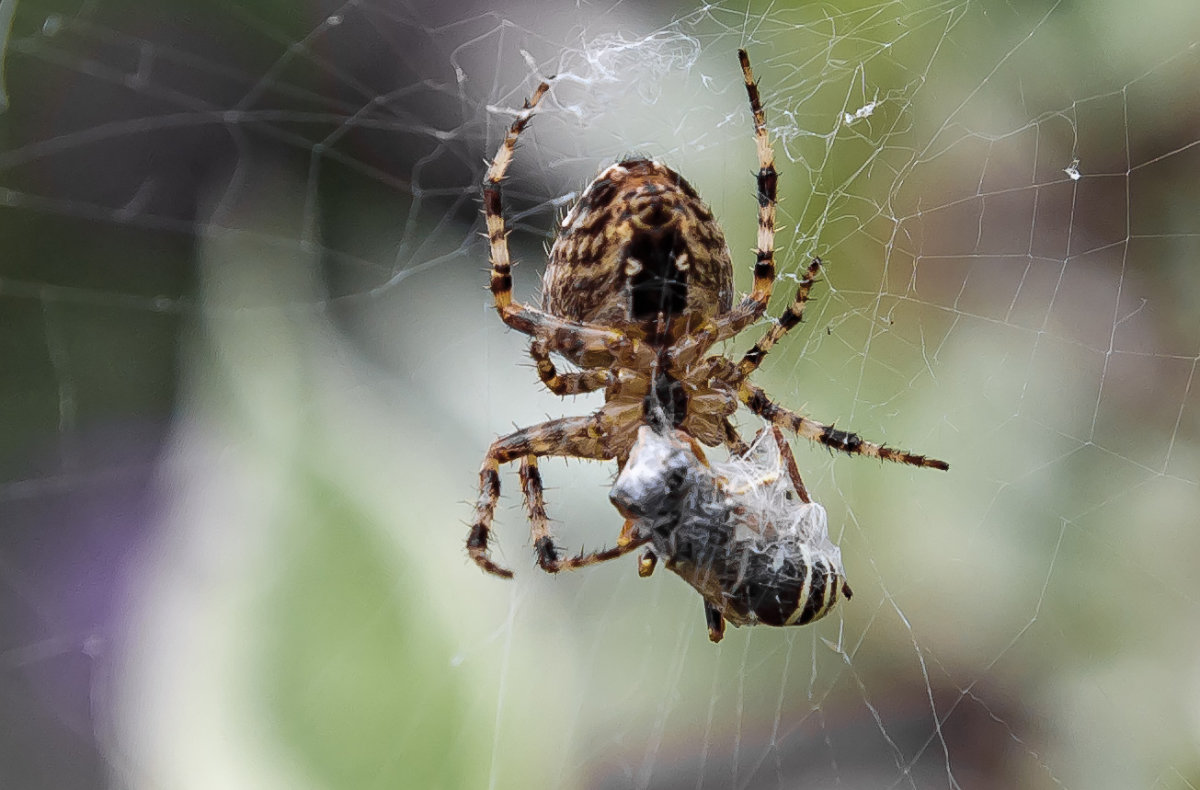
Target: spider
[
  {"x": 637, "y": 291},
  {"x": 744, "y": 533}
]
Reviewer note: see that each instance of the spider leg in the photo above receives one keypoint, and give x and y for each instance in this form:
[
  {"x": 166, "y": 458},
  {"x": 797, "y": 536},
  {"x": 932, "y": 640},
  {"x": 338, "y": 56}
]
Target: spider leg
[
  {"x": 788, "y": 321},
  {"x": 736, "y": 444},
  {"x": 543, "y": 543},
  {"x": 589, "y": 346},
  {"x": 789, "y": 461},
  {"x": 764, "y": 266},
  {"x": 586, "y": 345},
  {"x": 501, "y": 283},
  {"x": 762, "y": 405},
  {"x": 764, "y": 476},
  {"x": 570, "y": 436},
  {"x": 754, "y": 305},
  {"x": 565, "y": 383},
  {"x": 485, "y": 509}
]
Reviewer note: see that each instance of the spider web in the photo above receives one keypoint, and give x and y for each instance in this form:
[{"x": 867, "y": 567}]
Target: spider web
[{"x": 249, "y": 373}]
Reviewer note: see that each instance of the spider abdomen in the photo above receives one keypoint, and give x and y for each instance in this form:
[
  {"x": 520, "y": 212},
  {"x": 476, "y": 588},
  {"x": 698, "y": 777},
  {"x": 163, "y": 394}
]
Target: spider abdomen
[{"x": 639, "y": 245}]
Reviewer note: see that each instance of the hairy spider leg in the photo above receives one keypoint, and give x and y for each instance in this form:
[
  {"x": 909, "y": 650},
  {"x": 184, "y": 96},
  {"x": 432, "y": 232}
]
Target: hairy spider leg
[
  {"x": 736, "y": 444},
  {"x": 754, "y": 305},
  {"x": 569, "y": 436},
  {"x": 789, "y": 320},
  {"x": 789, "y": 463},
  {"x": 582, "y": 344},
  {"x": 845, "y": 441},
  {"x": 575, "y": 383},
  {"x": 543, "y": 544},
  {"x": 768, "y": 179}
]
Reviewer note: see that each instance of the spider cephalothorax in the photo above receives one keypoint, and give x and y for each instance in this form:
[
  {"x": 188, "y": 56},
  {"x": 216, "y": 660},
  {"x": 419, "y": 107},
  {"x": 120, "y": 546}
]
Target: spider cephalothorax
[{"x": 638, "y": 290}]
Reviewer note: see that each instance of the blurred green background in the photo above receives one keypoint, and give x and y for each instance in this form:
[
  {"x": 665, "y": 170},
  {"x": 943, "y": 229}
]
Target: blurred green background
[{"x": 248, "y": 371}]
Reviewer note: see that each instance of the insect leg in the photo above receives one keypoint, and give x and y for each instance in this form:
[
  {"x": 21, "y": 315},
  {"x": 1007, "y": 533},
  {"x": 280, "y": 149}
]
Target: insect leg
[{"x": 716, "y": 623}]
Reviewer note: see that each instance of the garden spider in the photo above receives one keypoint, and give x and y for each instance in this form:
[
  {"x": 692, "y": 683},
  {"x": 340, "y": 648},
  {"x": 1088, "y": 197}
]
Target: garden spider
[{"x": 638, "y": 289}]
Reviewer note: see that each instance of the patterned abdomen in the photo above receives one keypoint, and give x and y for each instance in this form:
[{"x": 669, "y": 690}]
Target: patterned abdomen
[{"x": 639, "y": 244}]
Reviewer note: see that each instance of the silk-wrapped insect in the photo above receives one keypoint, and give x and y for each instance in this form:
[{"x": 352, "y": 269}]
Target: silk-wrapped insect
[{"x": 744, "y": 532}]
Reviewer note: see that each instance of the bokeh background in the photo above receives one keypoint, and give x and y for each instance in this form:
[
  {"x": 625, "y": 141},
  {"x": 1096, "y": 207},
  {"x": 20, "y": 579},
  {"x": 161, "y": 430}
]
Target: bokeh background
[{"x": 248, "y": 370}]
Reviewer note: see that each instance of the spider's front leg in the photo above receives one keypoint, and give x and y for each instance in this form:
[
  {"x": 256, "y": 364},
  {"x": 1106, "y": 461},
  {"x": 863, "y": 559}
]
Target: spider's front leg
[
  {"x": 845, "y": 441},
  {"x": 584, "y": 345},
  {"x": 767, "y": 180}
]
